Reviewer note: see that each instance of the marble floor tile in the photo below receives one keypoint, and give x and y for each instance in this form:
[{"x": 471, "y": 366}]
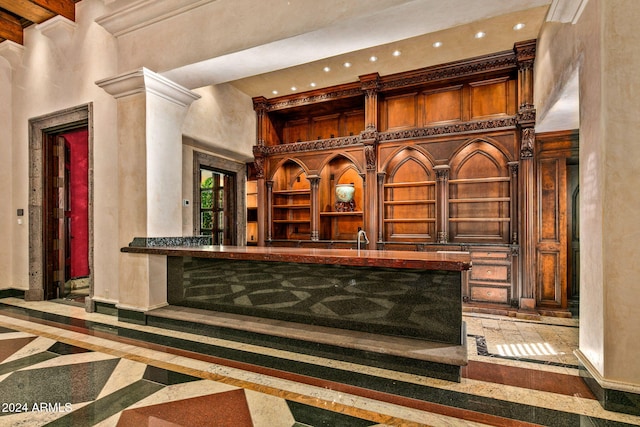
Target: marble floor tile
[{"x": 118, "y": 374}]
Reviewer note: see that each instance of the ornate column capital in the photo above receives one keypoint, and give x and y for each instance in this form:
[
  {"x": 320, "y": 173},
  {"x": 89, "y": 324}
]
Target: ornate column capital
[
  {"x": 527, "y": 143},
  {"x": 442, "y": 172},
  {"x": 370, "y": 155}
]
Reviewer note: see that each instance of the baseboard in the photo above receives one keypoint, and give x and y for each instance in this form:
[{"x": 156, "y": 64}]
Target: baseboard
[{"x": 613, "y": 396}]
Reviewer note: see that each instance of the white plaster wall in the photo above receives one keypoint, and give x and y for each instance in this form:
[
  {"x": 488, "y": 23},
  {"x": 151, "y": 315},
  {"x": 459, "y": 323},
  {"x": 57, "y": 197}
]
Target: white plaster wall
[
  {"x": 621, "y": 198},
  {"x": 8, "y": 221},
  {"x": 602, "y": 45},
  {"x": 55, "y": 75},
  {"x": 222, "y": 120},
  {"x": 187, "y": 190}
]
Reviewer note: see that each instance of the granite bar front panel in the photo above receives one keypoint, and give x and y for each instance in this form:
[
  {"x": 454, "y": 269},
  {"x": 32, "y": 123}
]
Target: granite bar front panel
[{"x": 417, "y": 303}]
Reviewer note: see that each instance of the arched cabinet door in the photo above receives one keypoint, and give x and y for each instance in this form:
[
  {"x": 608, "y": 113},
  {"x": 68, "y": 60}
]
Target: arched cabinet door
[
  {"x": 480, "y": 218},
  {"x": 480, "y": 194},
  {"x": 340, "y": 220},
  {"x": 409, "y": 198},
  {"x": 291, "y": 202}
]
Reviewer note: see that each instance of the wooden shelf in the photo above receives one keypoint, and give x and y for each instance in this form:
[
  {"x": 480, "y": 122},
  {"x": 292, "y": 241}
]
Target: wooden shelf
[
  {"x": 409, "y": 202},
  {"x": 480, "y": 180},
  {"x": 409, "y": 184},
  {"x": 354, "y": 213},
  {"x": 296, "y": 206},
  {"x": 413, "y": 220},
  {"x": 479, "y": 219},
  {"x": 291, "y": 221},
  {"x": 292, "y": 192},
  {"x": 481, "y": 200}
]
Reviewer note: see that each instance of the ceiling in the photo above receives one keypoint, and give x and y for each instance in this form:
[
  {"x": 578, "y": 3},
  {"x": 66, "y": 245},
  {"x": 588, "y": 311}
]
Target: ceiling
[
  {"x": 16, "y": 15},
  {"x": 456, "y": 41},
  {"x": 352, "y": 32}
]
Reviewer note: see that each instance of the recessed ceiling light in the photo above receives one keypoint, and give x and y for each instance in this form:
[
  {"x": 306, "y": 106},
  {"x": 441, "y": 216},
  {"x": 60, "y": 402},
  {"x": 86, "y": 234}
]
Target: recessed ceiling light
[
  {"x": 518, "y": 26},
  {"x": 480, "y": 34},
  {"x": 275, "y": 92},
  {"x": 294, "y": 88},
  {"x": 373, "y": 58},
  {"x": 312, "y": 84},
  {"x": 326, "y": 69},
  {"x": 437, "y": 44},
  {"x": 347, "y": 64},
  {"x": 396, "y": 53}
]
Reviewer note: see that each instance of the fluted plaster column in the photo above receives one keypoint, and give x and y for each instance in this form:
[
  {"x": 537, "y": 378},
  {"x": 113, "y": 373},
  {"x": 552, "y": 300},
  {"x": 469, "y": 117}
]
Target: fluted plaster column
[{"x": 151, "y": 110}]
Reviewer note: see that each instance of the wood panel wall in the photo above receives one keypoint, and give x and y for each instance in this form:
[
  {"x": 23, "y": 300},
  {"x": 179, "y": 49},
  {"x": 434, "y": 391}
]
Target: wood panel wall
[{"x": 442, "y": 158}]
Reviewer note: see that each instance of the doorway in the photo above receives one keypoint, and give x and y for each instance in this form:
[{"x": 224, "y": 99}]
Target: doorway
[
  {"x": 61, "y": 205},
  {"x": 66, "y": 219},
  {"x": 573, "y": 238},
  {"x": 217, "y": 194},
  {"x": 219, "y": 208}
]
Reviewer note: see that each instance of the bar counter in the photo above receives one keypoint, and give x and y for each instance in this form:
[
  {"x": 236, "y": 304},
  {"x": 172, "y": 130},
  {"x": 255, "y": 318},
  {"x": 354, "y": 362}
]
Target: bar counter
[
  {"x": 406, "y": 295},
  {"x": 449, "y": 261}
]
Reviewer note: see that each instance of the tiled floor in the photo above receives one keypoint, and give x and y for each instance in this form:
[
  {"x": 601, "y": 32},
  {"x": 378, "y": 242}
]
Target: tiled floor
[{"x": 62, "y": 366}]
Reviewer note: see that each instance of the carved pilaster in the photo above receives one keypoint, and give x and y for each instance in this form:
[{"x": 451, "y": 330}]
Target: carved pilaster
[
  {"x": 380, "y": 202},
  {"x": 442, "y": 203},
  {"x": 260, "y": 107},
  {"x": 370, "y": 85},
  {"x": 513, "y": 169},
  {"x": 269, "y": 185},
  {"x": 525, "y": 56},
  {"x": 314, "y": 181}
]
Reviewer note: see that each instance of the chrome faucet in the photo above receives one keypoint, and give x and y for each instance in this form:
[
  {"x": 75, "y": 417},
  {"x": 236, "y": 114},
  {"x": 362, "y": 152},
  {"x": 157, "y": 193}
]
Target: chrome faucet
[{"x": 361, "y": 234}]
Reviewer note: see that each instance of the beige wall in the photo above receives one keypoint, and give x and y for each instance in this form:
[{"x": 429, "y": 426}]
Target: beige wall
[
  {"x": 8, "y": 220},
  {"x": 54, "y": 75},
  {"x": 602, "y": 45}
]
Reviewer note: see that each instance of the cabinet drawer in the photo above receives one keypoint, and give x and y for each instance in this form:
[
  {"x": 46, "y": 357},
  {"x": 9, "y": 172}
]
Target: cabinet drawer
[
  {"x": 490, "y": 272},
  {"x": 489, "y": 255},
  {"x": 487, "y": 294}
]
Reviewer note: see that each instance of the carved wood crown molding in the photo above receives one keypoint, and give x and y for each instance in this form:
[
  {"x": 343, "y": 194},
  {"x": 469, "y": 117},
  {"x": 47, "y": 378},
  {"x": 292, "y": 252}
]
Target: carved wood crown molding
[
  {"x": 499, "y": 61},
  {"x": 467, "y": 127},
  {"x": 368, "y": 138},
  {"x": 522, "y": 54},
  {"x": 313, "y": 98},
  {"x": 320, "y": 144}
]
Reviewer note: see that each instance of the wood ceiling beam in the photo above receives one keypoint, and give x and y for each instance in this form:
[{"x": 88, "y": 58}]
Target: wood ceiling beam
[
  {"x": 39, "y": 11},
  {"x": 10, "y": 28},
  {"x": 66, "y": 8}
]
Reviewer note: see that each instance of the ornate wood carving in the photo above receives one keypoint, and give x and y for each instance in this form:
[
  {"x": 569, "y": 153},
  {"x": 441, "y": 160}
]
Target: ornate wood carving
[
  {"x": 466, "y": 127},
  {"x": 527, "y": 142},
  {"x": 313, "y": 98},
  {"x": 320, "y": 144},
  {"x": 448, "y": 159},
  {"x": 498, "y": 62}
]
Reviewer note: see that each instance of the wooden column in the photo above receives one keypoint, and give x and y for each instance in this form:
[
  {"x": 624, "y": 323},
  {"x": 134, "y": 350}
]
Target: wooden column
[
  {"x": 260, "y": 107},
  {"x": 370, "y": 140},
  {"x": 515, "y": 221},
  {"x": 381, "y": 176},
  {"x": 525, "y": 54},
  {"x": 314, "y": 180},
  {"x": 269, "y": 209},
  {"x": 442, "y": 203}
]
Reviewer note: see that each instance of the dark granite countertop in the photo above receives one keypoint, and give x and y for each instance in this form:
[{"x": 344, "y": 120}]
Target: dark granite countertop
[{"x": 449, "y": 261}]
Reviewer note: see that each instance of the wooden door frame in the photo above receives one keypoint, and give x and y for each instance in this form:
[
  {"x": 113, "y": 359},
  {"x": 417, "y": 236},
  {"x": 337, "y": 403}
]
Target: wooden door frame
[
  {"x": 39, "y": 128},
  {"x": 229, "y": 167}
]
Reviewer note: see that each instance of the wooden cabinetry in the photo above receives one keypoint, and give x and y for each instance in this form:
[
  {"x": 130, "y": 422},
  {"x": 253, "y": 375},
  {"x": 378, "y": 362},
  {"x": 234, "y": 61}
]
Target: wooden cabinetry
[
  {"x": 252, "y": 212},
  {"x": 441, "y": 159},
  {"x": 490, "y": 280},
  {"x": 291, "y": 203}
]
